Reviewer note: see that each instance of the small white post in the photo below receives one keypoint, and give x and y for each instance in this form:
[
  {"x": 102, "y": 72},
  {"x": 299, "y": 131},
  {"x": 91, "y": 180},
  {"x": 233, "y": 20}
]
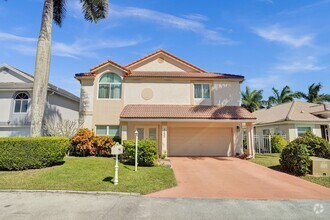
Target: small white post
[
  {"x": 116, "y": 171},
  {"x": 136, "y": 148}
]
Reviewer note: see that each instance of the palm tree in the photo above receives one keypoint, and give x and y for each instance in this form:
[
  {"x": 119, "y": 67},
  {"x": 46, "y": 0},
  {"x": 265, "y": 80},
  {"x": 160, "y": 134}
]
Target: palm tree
[
  {"x": 286, "y": 95},
  {"x": 313, "y": 95},
  {"x": 93, "y": 10},
  {"x": 251, "y": 99}
]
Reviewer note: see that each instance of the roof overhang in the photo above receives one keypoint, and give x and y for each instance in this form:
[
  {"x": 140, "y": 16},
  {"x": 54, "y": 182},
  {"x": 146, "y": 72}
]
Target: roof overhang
[{"x": 185, "y": 120}]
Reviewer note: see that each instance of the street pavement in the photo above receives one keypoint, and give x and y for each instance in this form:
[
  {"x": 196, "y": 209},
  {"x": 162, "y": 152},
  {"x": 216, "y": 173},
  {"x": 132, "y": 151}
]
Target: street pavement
[{"x": 70, "y": 205}]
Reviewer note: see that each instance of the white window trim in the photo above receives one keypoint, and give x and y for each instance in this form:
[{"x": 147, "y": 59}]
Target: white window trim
[
  {"x": 98, "y": 87},
  {"x": 14, "y": 104},
  {"x": 146, "y": 131},
  {"x": 107, "y": 127},
  {"x": 303, "y": 126},
  {"x": 202, "y": 91}
]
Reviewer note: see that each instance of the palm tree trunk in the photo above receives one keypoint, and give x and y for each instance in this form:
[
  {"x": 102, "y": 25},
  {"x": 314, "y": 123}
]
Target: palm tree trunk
[{"x": 41, "y": 73}]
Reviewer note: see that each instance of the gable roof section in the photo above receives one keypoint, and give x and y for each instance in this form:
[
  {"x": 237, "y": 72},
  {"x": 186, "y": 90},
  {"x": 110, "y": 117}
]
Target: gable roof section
[
  {"x": 111, "y": 63},
  {"x": 185, "y": 112},
  {"x": 51, "y": 87},
  {"x": 292, "y": 111},
  {"x": 161, "y": 51}
]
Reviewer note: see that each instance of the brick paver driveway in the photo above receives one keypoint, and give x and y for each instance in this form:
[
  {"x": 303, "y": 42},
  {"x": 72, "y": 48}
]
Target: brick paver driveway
[{"x": 226, "y": 177}]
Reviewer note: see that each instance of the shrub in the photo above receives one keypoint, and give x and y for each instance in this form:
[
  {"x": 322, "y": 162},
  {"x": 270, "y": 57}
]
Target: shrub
[
  {"x": 102, "y": 146},
  {"x": 85, "y": 143},
  {"x": 294, "y": 159},
  {"x": 82, "y": 142},
  {"x": 147, "y": 152},
  {"x": 278, "y": 143},
  {"x": 117, "y": 139},
  {"x": 316, "y": 146},
  {"x": 19, "y": 153}
]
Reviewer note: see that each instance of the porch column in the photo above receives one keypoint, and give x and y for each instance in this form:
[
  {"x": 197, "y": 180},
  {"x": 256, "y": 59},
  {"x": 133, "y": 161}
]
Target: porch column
[
  {"x": 164, "y": 140},
  {"x": 249, "y": 139},
  {"x": 123, "y": 133}
]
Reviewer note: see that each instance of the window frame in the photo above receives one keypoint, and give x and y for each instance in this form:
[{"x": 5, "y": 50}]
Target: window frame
[
  {"x": 202, "y": 90},
  {"x": 310, "y": 127},
  {"x": 107, "y": 130},
  {"x": 146, "y": 131},
  {"x": 21, "y": 104},
  {"x": 109, "y": 83}
]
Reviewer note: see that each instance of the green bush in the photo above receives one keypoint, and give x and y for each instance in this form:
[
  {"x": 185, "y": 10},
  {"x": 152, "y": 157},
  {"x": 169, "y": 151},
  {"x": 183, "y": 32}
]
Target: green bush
[
  {"x": 147, "y": 152},
  {"x": 20, "y": 153},
  {"x": 295, "y": 159},
  {"x": 316, "y": 146},
  {"x": 117, "y": 139},
  {"x": 278, "y": 143}
]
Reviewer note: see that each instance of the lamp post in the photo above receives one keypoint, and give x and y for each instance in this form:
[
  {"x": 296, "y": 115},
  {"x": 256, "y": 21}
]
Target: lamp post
[{"x": 136, "y": 148}]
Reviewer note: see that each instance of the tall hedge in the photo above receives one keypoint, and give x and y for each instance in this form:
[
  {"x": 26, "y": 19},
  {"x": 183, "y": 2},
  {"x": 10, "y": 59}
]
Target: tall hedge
[
  {"x": 20, "y": 153},
  {"x": 147, "y": 152}
]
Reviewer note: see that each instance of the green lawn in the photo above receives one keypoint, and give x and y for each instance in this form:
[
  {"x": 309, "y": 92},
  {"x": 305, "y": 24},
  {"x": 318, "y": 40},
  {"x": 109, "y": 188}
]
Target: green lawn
[
  {"x": 90, "y": 174},
  {"x": 272, "y": 161}
]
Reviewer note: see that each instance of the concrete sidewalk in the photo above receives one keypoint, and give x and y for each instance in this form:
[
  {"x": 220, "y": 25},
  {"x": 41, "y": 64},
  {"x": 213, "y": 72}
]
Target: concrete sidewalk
[{"x": 45, "y": 205}]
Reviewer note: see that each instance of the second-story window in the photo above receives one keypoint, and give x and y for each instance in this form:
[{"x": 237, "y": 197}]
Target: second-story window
[
  {"x": 21, "y": 102},
  {"x": 110, "y": 86},
  {"x": 202, "y": 91}
]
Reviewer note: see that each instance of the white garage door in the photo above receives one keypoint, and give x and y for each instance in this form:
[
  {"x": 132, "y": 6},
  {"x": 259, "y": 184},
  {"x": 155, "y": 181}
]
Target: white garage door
[{"x": 199, "y": 141}]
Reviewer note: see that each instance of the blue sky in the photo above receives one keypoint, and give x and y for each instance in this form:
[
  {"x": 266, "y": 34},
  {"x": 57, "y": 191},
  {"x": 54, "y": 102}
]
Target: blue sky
[{"x": 270, "y": 42}]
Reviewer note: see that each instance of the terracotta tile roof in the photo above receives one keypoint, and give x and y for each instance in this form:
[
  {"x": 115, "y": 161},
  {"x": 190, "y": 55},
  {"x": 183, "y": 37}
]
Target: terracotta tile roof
[
  {"x": 169, "y": 74},
  {"x": 184, "y": 112},
  {"x": 166, "y": 53},
  {"x": 111, "y": 62},
  {"x": 291, "y": 111}
]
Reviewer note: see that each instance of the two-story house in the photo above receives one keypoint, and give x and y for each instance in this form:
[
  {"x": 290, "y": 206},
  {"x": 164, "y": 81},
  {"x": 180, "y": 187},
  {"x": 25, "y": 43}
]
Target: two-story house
[
  {"x": 15, "y": 98},
  {"x": 189, "y": 111}
]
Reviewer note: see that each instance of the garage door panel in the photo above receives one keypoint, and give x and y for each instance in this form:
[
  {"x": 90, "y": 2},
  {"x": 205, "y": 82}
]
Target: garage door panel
[{"x": 199, "y": 141}]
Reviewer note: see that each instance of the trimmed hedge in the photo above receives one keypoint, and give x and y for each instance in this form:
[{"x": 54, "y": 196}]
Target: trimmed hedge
[
  {"x": 147, "y": 152},
  {"x": 20, "y": 153},
  {"x": 278, "y": 143},
  {"x": 295, "y": 159}
]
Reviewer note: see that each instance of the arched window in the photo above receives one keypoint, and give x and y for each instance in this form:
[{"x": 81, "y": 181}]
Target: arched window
[
  {"x": 110, "y": 86},
  {"x": 21, "y": 102}
]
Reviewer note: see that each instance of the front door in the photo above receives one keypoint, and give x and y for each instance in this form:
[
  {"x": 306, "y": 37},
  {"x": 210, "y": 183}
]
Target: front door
[{"x": 147, "y": 133}]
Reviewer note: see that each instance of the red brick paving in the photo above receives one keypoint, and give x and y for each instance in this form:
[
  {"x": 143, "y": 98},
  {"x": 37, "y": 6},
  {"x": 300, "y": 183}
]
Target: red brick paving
[{"x": 226, "y": 177}]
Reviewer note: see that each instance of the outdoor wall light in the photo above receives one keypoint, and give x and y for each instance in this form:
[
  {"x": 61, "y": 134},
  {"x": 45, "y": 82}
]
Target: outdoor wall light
[{"x": 238, "y": 128}]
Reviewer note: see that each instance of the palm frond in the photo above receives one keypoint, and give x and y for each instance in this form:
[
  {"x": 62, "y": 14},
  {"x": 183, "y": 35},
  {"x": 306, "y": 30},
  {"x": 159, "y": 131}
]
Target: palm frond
[
  {"x": 95, "y": 10},
  {"x": 59, "y": 11}
]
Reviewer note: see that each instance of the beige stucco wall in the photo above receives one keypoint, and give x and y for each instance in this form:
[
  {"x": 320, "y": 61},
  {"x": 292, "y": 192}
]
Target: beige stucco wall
[
  {"x": 164, "y": 92},
  {"x": 161, "y": 63},
  {"x": 6, "y": 100},
  {"x": 106, "y": 111},
  {"x": 62, "y": 107},
  {"x": 227, "y": 93},
  {"x": 289, "y": 129},
  {"x": 6, "y": 75}
]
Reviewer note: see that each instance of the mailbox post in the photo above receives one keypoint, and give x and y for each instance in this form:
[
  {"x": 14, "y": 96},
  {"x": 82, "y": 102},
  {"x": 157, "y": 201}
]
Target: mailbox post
[
  {"x": 116, "y": 150},
  {"x": 136, "y": 148}
]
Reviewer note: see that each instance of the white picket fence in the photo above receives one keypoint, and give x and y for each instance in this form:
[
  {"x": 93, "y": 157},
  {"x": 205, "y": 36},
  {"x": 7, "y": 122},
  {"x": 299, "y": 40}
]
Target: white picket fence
[{"x": 263, "y": 144}]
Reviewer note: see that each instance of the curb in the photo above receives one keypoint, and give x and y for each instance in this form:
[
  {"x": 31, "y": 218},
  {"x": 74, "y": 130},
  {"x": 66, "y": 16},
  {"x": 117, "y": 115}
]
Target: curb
[{"x": 73, "y": 192}]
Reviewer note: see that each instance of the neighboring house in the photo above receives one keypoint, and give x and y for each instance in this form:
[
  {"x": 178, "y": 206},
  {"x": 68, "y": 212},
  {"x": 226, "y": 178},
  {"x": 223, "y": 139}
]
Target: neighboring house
[
  {"x": 190, "y": 112},
  {"x": 15, "y": 98},
  {"x": 293, "y": 119}
]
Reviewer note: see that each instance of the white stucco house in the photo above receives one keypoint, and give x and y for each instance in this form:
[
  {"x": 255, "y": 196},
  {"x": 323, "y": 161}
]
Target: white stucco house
[
  {"x": 293, "y": 119},
  {"x": 15, "y": 98},
  {"x": 187, "y": 110}
]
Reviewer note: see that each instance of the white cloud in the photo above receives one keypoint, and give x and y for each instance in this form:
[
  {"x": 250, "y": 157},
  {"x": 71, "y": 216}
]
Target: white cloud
[
  {"x": 284, "y": 35},
  {"x": 12, "y": 37},
  {"x": 265, "y": 82},
  {"x": 182, "y": 23},
  {"x": 84, "y": 47},
  {"x": 196, "y": 17},
  {"x": 301, "y": 65}
]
